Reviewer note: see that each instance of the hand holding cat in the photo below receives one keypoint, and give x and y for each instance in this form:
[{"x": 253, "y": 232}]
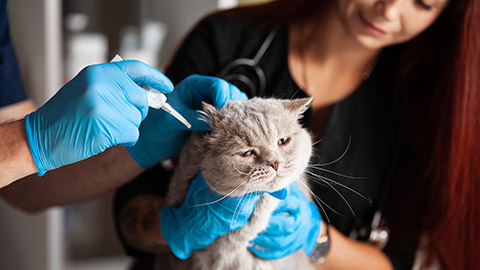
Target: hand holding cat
[
  {"x": 101, "y": 107},
  {"x": 161, "y": 135},
  {"x": 287, "y": 233},
  {"x": 204, "y": 216}
]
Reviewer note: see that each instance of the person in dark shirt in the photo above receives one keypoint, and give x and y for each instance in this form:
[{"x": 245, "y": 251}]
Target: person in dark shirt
[{"x": 395, "y": 112}]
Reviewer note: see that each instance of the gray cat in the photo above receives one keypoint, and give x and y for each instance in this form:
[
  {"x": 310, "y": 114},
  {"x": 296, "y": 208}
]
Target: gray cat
[{"x": 259, "y": 140}]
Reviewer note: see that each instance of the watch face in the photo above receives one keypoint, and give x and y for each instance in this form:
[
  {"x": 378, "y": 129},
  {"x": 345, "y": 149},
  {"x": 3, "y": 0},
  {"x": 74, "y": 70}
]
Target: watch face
[{"x": 321, "y": 250}]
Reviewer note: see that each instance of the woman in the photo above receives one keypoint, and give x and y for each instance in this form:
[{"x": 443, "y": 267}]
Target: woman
[{"x": 395, "y": 86}]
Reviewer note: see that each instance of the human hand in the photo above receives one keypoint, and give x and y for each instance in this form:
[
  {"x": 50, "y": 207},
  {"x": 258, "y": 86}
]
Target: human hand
[
  {"x": 204, "y": 216},
  {"x": 287, "y": 233},
  {"x": 161, "y": 135},
  {"x": 101, "y": 107}
]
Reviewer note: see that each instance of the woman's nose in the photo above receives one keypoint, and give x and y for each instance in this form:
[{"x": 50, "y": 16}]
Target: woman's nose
[{"x": 389, "y": 9}]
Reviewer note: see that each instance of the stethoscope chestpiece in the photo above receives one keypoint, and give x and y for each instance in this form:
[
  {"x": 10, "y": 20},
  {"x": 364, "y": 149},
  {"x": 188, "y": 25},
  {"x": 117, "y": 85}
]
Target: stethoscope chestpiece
[{"x": 379, "y": 233}]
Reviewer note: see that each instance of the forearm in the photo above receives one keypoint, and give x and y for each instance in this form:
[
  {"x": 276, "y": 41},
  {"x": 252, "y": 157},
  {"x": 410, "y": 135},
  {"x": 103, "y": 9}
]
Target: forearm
[
  {"x": 140, "y": 224},
  {"x": 15, "y": 158},
  {"x": 73, "y": 183},
  {"x": 349, "y": 254}
]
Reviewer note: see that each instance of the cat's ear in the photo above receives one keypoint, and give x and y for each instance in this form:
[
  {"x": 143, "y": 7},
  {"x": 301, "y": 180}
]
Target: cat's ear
[
  {"x": 297, "y": 106},
  {"x": 210, "y": 112}
]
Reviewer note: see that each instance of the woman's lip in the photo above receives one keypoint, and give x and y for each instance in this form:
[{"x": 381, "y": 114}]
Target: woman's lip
[{"x": 370, "y": 26}]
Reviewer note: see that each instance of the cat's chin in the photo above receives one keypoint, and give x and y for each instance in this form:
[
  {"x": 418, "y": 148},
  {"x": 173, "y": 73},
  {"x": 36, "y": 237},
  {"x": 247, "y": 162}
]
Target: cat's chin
[
  {"x": 277, "y": 183},
  {"x": 270, "y": 184}
]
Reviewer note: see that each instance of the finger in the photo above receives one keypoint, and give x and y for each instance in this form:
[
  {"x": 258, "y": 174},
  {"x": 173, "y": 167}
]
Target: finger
[
  {"x": 196, "y": 191},
  {"x": 295, "y": 190},
  {"x": 226, "y": 93},
  {"x": 142, "y": 73},
  {"x": 213, "y": 90},
  {"x": 286, "y": 241},
  {"x": 289, "y": 205},
  {"x": 119, "y": 128},
  {"x": 279, "y": 224},
  {"x": 271, "y": 254},
  {"x": 236, "y": 94},
  {"x": 210, "y": 89},
  {"x": 268, "y": 241},
  {"x": 129, "y": 135},
  {"x": 116, "y": 88}
]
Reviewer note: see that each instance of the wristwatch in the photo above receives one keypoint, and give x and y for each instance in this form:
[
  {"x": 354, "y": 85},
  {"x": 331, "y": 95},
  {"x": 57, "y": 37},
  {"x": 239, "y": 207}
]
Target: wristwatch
[{"x": 322, "y": 248}]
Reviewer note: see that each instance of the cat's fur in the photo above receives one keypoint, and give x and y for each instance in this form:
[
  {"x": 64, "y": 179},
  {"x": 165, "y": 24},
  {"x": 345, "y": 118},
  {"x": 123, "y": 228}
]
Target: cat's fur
[{"x": 259, "y": 125}]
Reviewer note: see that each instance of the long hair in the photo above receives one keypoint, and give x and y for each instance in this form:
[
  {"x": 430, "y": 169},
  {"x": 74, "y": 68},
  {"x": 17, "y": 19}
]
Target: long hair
[{"x": 438, "y": 92}]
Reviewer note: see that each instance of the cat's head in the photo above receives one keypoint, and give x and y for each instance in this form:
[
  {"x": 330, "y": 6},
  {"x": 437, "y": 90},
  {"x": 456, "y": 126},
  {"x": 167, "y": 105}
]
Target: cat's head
[{"x": 255, "y": 145}]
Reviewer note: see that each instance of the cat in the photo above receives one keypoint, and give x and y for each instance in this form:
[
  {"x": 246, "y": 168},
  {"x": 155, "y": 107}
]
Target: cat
[{"x": 258, "y": 140}]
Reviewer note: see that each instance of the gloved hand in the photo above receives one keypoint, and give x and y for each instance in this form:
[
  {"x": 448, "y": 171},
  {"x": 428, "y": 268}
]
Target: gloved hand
[
  {"x": 287, "y": 233},
  {"x": 204, "y": 216},
  {"x": 101, "y": 107},
  {"x": 161, "y": 135}
]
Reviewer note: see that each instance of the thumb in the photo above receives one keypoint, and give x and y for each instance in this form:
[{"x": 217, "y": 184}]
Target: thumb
[{"x": 142, "y": 73}]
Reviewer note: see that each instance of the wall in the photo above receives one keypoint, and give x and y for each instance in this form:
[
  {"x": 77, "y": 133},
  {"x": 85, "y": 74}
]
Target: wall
[{"x": 33, "y": 242}]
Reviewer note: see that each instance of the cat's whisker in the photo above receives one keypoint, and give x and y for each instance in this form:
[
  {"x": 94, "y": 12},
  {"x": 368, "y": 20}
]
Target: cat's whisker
[
  {"x": 238, "y": 170},
  {"x": 222, "y": 198},
  {"x": 323, "y": 180},
  {"x": 343, "y": 198},
  {"x": 244, "y": 164},
  {"x": 317, "y": 157},
  {"x": 247, "y": 196},
  {"x": 348, "y": 188},
  {"x": 295, "y": 93},
  {"x": 235, "y": 211},
  {"x": 320, "y": 202},
  {"x": 240, "y": 202},
  {"x": 336, "y": 173},
  {"x": 341, "y": 156},
  {"x": 317, "y": 142},
  {"x": 314, "y": 178}
]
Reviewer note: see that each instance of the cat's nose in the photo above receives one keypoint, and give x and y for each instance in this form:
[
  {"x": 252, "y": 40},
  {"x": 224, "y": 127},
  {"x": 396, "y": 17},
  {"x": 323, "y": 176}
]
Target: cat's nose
[{"x": 274, "y": 164}]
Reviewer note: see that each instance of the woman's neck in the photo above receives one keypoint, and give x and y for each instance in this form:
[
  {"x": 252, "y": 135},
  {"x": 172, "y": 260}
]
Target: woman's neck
[
  {"x": 325, "y": 60},
  {"x": 331, "y": 44}
]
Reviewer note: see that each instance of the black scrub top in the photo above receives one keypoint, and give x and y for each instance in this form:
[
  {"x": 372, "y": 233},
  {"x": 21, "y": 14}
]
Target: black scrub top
[
  {"x": 11, "y": 86},
  {"x": 355, "y": 152}
]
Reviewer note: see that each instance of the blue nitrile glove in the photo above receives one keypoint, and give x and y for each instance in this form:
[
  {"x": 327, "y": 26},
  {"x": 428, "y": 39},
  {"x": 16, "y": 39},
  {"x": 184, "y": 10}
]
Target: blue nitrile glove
[
  {"x": 204, "y": 216},
  {"x": 101, "y": 107},
  {"x": 161, "y": 135},
  {"x": 295, "y": 224},
  {"x": 197, "y": 223}
]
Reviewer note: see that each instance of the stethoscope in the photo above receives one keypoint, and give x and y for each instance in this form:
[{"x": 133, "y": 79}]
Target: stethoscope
[{"x": 255, "y": 86}]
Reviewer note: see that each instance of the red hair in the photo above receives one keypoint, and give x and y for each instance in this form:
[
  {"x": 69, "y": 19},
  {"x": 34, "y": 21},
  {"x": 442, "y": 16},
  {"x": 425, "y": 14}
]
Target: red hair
[
  {"x": 456, "y": 237},
  {"x": 438, "y": 91}
]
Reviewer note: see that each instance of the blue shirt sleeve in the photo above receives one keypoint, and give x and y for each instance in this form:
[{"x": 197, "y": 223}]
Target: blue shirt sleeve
[{"x": 11, "y": 86}]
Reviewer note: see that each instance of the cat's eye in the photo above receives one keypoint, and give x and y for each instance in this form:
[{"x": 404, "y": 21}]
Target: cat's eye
[
  {"x": 248, "y": 153},
  {"x": 284, "y": 141}
]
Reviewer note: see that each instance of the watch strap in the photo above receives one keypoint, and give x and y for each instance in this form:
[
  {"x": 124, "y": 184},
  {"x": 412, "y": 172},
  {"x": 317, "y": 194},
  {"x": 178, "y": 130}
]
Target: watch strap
[{"x": 322, "y": 248}]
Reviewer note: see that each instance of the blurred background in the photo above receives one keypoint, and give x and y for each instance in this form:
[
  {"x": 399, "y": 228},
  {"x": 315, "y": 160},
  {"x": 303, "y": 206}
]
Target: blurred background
[{"x": 54, "y": 40}]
